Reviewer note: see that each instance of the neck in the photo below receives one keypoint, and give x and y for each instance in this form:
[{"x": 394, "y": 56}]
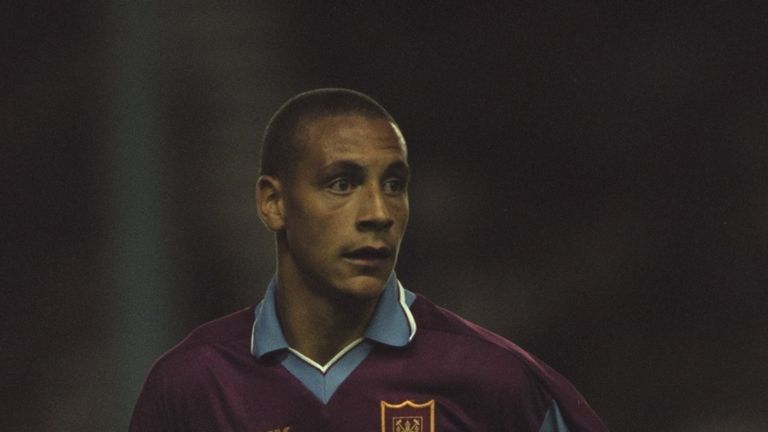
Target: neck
[{"x": 314, "y": 322}]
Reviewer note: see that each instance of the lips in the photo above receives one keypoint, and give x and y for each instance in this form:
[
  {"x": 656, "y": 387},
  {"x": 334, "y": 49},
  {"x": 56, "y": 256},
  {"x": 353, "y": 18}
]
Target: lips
[{"x": 368, "y": 255}]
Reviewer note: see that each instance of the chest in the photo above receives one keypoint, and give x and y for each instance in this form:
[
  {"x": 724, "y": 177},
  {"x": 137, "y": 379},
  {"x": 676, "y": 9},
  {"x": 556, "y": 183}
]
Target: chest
[{"x": 381, "y": 394}]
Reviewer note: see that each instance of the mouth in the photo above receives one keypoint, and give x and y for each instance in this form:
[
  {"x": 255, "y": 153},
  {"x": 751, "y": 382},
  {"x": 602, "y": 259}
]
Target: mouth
[{"x": 368, "y": 256}]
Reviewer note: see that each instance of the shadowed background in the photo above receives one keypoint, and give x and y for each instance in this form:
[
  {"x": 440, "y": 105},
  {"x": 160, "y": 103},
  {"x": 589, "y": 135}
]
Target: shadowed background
[{"x": 590, "y": 180}]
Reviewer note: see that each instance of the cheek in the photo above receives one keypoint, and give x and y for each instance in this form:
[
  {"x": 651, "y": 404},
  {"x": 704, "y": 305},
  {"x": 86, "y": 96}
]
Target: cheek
[
  {"x": 316, "y": 229},
  {"x": 401, "y": 211}
]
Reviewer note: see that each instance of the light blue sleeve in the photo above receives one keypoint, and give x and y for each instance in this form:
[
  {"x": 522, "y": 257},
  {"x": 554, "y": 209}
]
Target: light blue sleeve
[{"x": 553, "y": 420}]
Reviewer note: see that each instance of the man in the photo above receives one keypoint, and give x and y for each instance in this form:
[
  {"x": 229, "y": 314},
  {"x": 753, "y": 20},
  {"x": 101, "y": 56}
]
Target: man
[{"x": 337, "y": 343}]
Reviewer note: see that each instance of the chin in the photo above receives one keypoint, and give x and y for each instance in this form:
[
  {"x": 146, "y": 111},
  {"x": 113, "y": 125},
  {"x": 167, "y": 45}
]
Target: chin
[{"x": 363, "y": 287}]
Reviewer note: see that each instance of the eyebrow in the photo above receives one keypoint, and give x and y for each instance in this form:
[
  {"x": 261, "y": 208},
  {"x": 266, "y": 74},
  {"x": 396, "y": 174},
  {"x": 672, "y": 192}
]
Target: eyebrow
[
  {"x": 342, "y": 166},
  {"x": 399, "y": 168}
]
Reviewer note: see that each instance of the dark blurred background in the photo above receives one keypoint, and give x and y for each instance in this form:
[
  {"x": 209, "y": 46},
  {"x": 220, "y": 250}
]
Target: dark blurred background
[{"x": 591, "y": 181}]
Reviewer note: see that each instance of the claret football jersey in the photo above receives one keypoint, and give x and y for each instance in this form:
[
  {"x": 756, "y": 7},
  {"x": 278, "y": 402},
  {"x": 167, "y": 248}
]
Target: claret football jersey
[{"x": 418, "y": 368}]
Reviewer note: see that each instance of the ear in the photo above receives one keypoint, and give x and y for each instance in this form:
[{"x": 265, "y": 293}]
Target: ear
[{"x": 270, "y": 202}]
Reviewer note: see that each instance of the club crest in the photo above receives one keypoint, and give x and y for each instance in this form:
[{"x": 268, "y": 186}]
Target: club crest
[{"x": 408, "y": 416}]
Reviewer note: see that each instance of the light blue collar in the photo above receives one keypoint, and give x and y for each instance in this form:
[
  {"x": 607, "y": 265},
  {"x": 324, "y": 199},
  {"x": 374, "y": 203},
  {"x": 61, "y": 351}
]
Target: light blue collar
[{"x": 392, "y": 322}]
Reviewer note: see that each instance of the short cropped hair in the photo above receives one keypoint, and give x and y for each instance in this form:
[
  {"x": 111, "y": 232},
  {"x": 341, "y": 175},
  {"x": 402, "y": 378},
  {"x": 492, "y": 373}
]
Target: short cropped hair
[{"x": 282, "y": 144}]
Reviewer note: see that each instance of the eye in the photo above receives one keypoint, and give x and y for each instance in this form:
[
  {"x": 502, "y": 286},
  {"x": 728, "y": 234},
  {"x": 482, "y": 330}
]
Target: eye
[
  {"x": 340, "y": 185},
  {"x": 394, "y": 186}
]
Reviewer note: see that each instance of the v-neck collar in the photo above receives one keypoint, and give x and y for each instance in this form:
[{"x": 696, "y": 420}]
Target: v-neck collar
[{"x": 392, "y": 324}]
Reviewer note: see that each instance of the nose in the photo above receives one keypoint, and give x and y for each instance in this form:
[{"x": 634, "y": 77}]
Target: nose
[{"x": 374, "y": 213}]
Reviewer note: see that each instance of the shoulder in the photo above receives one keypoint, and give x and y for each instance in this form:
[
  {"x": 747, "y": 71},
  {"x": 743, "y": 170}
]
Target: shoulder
[
  {"x": 175, "y": 381},
  {"x": 476, "y": 342},
  {"x": 204, "y": 346},
  {"x": 479, "y": 355},
  {"x": 472, "y": 350},
  {"x": 235, "y": 326},
  {"x": 444, "y": 324}
]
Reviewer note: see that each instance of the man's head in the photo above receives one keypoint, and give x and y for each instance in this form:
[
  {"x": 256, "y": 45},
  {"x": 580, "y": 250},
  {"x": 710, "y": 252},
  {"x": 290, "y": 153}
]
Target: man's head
[
  {"x": 285, "y": 135},
  {"x": 334, "y": 190}
]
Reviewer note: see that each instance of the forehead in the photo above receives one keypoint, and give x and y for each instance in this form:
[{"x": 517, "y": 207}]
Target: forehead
[{"x": 351, "y": 134}]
